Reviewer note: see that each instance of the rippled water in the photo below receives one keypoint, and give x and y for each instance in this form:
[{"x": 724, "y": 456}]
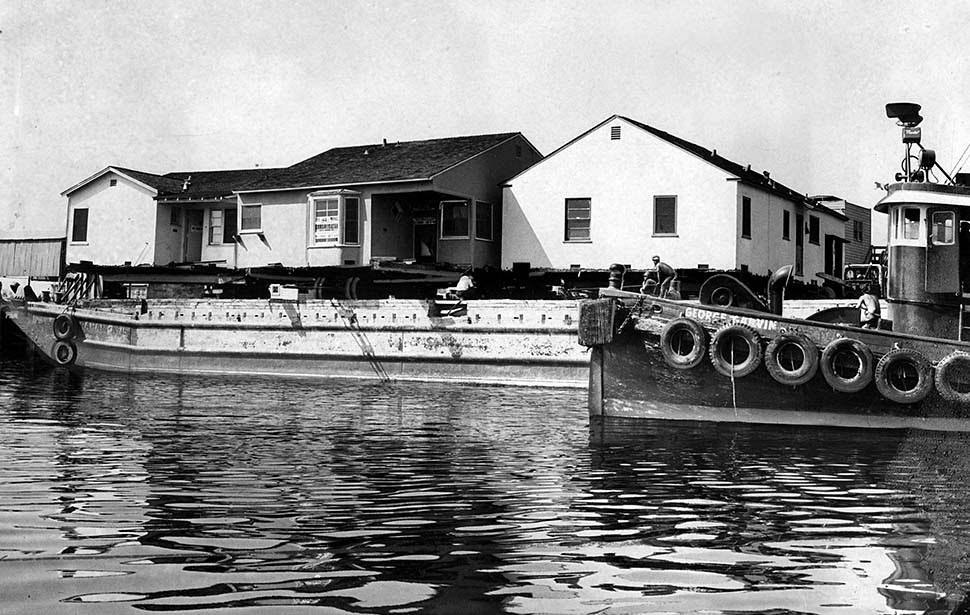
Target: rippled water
[{"x": 165, "y": 494}]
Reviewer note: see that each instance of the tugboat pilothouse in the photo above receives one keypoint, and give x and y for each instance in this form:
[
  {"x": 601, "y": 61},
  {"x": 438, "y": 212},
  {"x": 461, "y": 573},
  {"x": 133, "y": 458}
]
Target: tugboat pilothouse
[{"x": 735, "y": 356}]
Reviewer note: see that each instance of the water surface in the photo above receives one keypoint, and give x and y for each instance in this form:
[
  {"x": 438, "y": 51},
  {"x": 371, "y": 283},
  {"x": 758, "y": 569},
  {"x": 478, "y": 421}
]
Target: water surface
[{"x": 122, "y": 495}]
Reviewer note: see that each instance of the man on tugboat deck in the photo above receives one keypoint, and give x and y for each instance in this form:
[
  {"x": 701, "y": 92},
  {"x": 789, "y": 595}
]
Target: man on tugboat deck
[
  {"x": 869, "y": 308},
  {"x": 660, "y": 278}
]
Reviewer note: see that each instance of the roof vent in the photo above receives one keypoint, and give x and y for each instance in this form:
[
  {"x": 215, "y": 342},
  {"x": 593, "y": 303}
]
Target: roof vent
[
  {"x": 385, "y": 142},
  {"x": 615, "y": 133},
  {"x": 186, "y": 183},
  {"x": 366, "y": 152}
]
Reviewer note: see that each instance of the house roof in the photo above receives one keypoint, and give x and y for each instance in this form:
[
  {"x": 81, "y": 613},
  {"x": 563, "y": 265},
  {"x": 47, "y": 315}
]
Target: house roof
[
  {"x": 192, "y": 185},
  {"x": 387, "y": 162}
]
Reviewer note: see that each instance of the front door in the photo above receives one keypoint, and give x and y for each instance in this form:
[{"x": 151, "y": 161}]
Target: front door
[
  {"x": 425, "y": 242},
  {"x": 833, "y": 255},
  {"x": 193, "y": 235}
]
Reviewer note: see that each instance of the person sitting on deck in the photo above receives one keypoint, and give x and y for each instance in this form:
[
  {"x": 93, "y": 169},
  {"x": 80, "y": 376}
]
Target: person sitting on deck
[
  {"x": 465, "y": 289},
  {"x": 658, "y": 279},
  {"x": 869, "y": 313}
]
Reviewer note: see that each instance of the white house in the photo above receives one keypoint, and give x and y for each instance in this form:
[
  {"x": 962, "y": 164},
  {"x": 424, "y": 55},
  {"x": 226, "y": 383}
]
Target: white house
[
  {"x": 436, "y": 201},
  {"x": 624, "y": 191}
]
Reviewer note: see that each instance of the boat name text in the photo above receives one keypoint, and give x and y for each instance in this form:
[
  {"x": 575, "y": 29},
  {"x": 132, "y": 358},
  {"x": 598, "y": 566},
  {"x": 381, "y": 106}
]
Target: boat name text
[{"x": 755, "y": 323}]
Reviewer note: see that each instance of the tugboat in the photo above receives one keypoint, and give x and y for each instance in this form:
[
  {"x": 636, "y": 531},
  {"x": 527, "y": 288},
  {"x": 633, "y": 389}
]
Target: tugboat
[{"x": 734, "y": 356}]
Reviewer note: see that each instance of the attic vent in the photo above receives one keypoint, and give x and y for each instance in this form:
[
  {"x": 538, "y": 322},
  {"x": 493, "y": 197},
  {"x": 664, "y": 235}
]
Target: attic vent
[
  {"x": 615, "y": 133},
  {"x": 113, "y": 182}
]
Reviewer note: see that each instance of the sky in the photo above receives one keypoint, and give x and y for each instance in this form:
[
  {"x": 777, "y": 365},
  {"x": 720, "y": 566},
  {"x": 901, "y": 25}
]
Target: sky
[{"x": 795, "y": 88}]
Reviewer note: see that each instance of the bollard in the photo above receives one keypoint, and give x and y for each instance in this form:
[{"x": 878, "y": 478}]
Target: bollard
[{"x": 616, "y": 276}]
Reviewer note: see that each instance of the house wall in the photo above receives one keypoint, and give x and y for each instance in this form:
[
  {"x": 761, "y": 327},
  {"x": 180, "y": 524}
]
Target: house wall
[
  {"x": 168, "y": 237},
  {"x": 857, "y": 251},
  {"x": 480, "y": 179},
  {"x": 39, "y": 258},
  {"x": 621, "y": 177},
  {"x": 121, "y": 222}
]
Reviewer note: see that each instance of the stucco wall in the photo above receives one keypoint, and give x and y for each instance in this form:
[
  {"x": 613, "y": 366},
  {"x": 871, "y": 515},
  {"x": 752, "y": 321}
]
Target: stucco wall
[
  {"x": 168, "y": 237},
  {"x": 480, "y": 179},
  {"x": 621, "y": 177},
  {"x": 121, "y": 222}
]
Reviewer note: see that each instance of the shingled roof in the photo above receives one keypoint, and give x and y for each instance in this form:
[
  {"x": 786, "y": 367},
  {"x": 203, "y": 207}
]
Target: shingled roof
[
  {"x": 210, "y": 184},
  {"x": 745, "y": 174},
  {"x": 382, "y": 162}
]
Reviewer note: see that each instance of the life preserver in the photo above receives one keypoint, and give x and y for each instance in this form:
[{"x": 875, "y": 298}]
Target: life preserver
[
  {"x": 834, "y": 365},
  {"x": 724, "y": 352},
  {"x": 958, "y": 362},
  {"x": 65, "y": 326},
  {"x": 904, "y": 375},
  {"x": 683, "y": 343},
  {"x": 64, "y": 352},
  {"x": 791, "y": 359}
]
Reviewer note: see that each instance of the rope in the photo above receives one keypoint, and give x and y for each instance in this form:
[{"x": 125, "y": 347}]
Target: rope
[{"x": 629, "y": 315}]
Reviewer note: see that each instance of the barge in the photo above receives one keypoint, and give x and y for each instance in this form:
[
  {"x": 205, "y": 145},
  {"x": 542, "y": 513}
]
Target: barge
[
  {"x": 735, "y": 356},
  {"x": 523, "y": 343}
]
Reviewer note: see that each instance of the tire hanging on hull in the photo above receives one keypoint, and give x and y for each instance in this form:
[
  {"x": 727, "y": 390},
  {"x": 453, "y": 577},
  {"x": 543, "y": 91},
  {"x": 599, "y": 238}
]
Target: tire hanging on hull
[
  {"x": 947, "y": 377},
  {"x": 732, "y": 342},
  {"x": 683, "y": 343},
  {"x": 904, "y": 375},
  {"x": 838, "y": 369},
  {"x": 64, "y": 352},
  {"x": 65, "y": 327},
  {"x": 792, "y": 359}
]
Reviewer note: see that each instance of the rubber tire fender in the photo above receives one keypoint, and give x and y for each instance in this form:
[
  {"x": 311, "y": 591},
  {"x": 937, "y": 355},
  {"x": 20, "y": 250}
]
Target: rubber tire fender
[
  {"x": 866, "y": 365},
  {"x": 943, "y": 386},
  {"x": 805, "y": 372},
  {"x": 64, "y": 352},
  {"x": 749, "y": 336},
  {"x": 65, "y": 327},
  {"x": 667, "y": 336},
  {"x": 924, "y": 372}
]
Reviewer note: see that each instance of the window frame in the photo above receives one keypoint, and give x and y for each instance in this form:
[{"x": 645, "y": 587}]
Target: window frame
[
  {"x": 441, "y": 218},
  {"x": 340, "y": 198},
  {"x": 74, "y": 225},
  {"x": 786, "y": 225},
  {"x": 491, "y": 221},
  {"x": 242, "y": 218},
  {"x": 814, "y": 230},
  {"x": 745, "y": 217},
  {"x": 656, "y": 199},
  {"x": 226, "y": 235},
  {"x": 589, "y": 220},
  {"x": 951, "y": 216}
]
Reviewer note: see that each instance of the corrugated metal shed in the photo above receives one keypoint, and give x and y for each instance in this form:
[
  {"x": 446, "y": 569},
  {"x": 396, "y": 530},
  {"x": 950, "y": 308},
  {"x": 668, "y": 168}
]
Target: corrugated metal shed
[{"x": 37, "y": 258}]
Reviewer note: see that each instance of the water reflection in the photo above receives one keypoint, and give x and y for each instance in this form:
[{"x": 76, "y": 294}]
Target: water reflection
[{"x": 167, "y": 494}]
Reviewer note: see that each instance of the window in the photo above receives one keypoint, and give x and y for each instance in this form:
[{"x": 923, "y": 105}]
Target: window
[
  {"x": 857, "y": 230},
  {"x": 454, "y": 219},
  {"x": 943, "y": 228},
  {"x": 483, "y": 220},
  {"x": 786, "y": 225},
  {"x": 334, "y": 219},
  {"x": 326, "y": 220},
  {"x": 910, "y": 223},
  {"x": 746, "y": 217},
  {"x": 577, "y": 220},
  {"x": 664, "y": 215},
  {"x": 173, "y": 215},
  {"x": 813, "y": 230},
  {"x": 352, "y": 220},
  {"x": 79, "y": 232},
  {"x": 222, "y": 226},
  {"x": 252, "y": 219}
]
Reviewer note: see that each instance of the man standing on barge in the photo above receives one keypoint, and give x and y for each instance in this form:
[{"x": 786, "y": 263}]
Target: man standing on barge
[{"x": 664, "y": 274}]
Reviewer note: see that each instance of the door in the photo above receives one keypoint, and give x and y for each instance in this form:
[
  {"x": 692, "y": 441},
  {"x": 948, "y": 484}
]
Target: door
[
  {"x": 799, "y": 244},
  {"x": 425, "y": 242},
  {"x": 193, "y": 235},
  {"x": 833, "y": 255},
  {"x": 942, "y": 253}
]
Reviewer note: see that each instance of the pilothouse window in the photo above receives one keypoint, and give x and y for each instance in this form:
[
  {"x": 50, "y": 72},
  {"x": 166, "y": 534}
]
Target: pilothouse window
[
  {"x": 910, "y": 223},
  {"x": 943, "y": 228}
]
